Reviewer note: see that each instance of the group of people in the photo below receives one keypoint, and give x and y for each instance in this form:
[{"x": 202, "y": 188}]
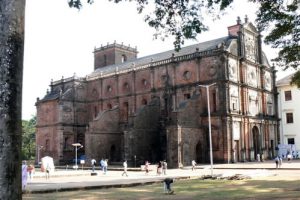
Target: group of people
[
  {"x": 27, "y": 172},
  {"x": 103, "y": 165},
  {"x": 161, "y": 168}
]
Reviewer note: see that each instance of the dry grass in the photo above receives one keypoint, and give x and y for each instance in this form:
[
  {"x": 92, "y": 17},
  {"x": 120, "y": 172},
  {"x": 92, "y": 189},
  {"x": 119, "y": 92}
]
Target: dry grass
[{"x": 189, "y": 189}]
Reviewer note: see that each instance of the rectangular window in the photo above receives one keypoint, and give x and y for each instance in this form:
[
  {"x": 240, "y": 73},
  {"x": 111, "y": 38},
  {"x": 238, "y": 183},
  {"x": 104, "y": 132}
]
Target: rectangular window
[
  {"x": 289, "y": 118},
  {"x": 291, "y": 140},
  {"x": 214, "y": 96},
  {"x": 288, "y": 95}
]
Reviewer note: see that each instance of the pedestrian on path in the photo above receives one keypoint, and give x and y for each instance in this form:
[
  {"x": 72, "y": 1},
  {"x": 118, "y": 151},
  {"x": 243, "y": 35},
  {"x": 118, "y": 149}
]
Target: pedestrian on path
[
  {"x": 258, "y": 157},
  {"x": 102, "y": 165},
  {"x": 48, "y": 171},
  {"x": 280, "y": 162},
  {"x": 125, "y": 168},
  {"x": 164, "y": 167},
  {"x": 277, "y": 162},
  {"x": 105, "y": 165},
  {"x": 159, "y": 168},
  {"x": 147, "y": 167},
  {"x": 289, "y": 157},
  {"x": 24, "y": 175},
  {"x": 31, "y": 171},
  {"x": 193, "y": 165},
  {"x": 93, "y": 163}
]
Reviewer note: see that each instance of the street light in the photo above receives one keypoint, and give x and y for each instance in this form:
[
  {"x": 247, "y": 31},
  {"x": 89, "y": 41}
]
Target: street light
[
  {"x": 209, "y": 125},
  {"x": 38, "y": 151},
  {"x": 77, "y": 146}
]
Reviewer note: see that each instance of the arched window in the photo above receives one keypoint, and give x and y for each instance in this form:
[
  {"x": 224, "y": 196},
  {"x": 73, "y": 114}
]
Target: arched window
[
  {"x": 144, "y": 102},
  {"x": 109, "y": 106},
  {"x": 109, "y": 88},
  {"x": 144, "y": 82},
  {"x": 126, "y": 86},
  {"x": 124, "y": 58}
]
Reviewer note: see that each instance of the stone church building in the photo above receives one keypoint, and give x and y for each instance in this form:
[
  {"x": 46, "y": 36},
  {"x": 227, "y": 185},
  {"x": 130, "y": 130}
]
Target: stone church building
[{"x": 152, "y": 108}]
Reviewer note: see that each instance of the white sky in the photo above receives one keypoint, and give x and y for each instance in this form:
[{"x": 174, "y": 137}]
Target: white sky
[{"x": 59, "y": 41}]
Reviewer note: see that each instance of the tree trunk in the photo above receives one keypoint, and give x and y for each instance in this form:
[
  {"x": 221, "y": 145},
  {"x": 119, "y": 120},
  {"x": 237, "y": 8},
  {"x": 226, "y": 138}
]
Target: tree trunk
[{"x": 11, "y": 69}]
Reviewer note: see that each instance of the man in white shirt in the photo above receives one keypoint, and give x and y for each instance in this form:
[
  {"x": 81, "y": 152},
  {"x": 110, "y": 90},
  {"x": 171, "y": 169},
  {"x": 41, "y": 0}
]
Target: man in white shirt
[{"x": 125, "y": 168}]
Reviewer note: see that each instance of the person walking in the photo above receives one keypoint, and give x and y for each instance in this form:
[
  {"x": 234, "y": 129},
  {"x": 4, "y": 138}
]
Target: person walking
[
  {"x": 93, "y": 163},
  {"x": 277, "y": 162},
  {"x": 125, "y": 168},
  {"x": 30, "y": 170},
  {"x": 105, "y": 165},
  {"x": 159, "y": 168},
  {"x": 24, "y": 175},
  {"x": 48, "y": 168},
  {"x": 147, "y": 167},
  {"x": 164, "y": 167},
  {"x": 280, "y": 162},
  {"x": 102, "y": 165},
  {"x": 193, "y": 165}
]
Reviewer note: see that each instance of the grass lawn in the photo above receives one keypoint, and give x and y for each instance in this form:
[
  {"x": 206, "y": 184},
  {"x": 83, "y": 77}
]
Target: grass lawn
[{"x": 189, "y": 189}]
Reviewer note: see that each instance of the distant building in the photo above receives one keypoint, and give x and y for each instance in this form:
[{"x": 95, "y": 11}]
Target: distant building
[
  {"x": 289, "y": 113},
  {"x": 152, "y": 108}
]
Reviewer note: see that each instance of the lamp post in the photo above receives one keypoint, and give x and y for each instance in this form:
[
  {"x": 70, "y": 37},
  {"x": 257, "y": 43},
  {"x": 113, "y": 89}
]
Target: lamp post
[
  {"x": 38, "y": 152},
  {"x": 209, "y": 125},
  {"x": 77, "y": 146}
]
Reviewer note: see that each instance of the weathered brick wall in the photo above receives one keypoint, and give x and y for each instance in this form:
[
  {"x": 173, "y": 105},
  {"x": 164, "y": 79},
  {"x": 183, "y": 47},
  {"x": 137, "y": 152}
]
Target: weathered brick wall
[
  {"x": 186, "y": 133},
  {"x": 100, "y": 61},
  {"x": 47, "y": 113},
  {"x": 104, "y": 139},
  {"x": 143, "y": 139}
]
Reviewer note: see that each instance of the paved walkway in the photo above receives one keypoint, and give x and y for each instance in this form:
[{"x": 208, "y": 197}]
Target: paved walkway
[{"x": 64, "y": 180}]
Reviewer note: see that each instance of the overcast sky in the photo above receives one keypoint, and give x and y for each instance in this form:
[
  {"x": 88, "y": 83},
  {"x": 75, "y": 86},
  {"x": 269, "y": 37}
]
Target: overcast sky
[{"x": 59, "y": 41}]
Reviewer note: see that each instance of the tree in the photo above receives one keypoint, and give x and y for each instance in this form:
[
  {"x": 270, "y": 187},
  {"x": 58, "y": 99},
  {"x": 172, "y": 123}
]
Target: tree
[
  {"x": 28, "y": 139},
  {"x": 11, "y": 70},
  {"x": 183, "y": 19}
]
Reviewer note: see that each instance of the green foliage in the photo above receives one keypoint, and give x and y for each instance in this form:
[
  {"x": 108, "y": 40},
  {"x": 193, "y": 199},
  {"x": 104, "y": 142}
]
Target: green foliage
[
  {"x": 283, "y": 17},
  {"x": 296, "y": 79},
  {"x": 183, "y": 20},
  {"x": 28, "y": 138}
]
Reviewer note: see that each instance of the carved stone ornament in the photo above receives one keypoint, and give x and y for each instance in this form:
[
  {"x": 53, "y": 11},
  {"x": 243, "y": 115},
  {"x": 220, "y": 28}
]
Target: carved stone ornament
[
  {"x": 250, "y": 47},
  {"x": 267, "y": 80},
  {"x": 187, "y": 75},
  {"x": 252, "y": 76},
  {"x": 232, "y": 67},
  {"x": 212, "y": 70}
]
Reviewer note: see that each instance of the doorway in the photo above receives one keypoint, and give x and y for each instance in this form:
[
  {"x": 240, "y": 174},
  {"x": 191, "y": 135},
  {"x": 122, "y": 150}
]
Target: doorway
[
  {"x": 199, "y": 153},
  {"x": 256, "y": 143}
]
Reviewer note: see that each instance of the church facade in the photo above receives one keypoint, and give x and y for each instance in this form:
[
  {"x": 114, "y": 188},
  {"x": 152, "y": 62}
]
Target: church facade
[{"x": 156, "y": 107}]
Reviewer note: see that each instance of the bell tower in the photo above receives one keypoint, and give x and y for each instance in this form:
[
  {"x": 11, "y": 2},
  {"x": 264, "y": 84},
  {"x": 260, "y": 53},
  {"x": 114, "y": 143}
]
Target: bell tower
[{"x": 113, "y": 54}]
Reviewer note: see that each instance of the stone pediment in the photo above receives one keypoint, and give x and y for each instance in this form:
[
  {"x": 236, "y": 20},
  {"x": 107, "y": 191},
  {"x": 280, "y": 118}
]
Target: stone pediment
[{"x": 250, "y": 27}]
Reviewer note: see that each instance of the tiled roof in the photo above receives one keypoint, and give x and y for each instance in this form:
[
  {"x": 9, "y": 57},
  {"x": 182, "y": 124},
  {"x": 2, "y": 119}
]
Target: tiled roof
[
  {"x": 51, "y": 96},
  {"x": 205, "y": 46},
  {"x": 285, "y": 81}
]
